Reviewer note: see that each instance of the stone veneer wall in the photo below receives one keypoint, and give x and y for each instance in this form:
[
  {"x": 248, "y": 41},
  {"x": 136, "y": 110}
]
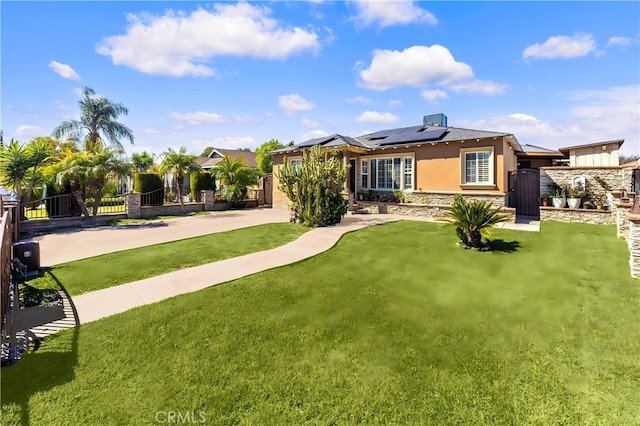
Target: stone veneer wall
[
  {"x": 432, "y": 211},
  {"x": 597, "y": 217},
  {"x": 634, "y": 244},
  {"x": 613, "y": 175},
  {"x": 622, "y": 220},
  {"x": 446, "y": 198}
]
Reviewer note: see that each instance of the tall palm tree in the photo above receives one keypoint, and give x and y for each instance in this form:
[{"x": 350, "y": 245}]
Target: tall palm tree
[
  {"x": 98, "y": 122},
  {"x": 90, "y": 170},
  {"x": 19, "y": 164},
  {"x": 178, "y": 164}
]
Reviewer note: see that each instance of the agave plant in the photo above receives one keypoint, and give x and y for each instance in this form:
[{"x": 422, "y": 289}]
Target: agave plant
[{"x": 473, "y": 218}]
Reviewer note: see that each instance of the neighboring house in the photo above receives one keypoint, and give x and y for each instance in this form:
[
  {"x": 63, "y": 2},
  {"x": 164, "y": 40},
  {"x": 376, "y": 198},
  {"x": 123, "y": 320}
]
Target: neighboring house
[
  {"x": 216, "y": 155},
  {"x": 210, "y": 161},
  {"x": 430, "y": 162},
  {"x": 596, "y": 154}
]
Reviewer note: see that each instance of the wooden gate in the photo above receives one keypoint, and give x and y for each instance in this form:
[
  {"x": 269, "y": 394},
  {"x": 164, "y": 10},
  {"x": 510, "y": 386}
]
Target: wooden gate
[
  {"x": 524, "y": 192},
  {"x": 267, "y": 187}
]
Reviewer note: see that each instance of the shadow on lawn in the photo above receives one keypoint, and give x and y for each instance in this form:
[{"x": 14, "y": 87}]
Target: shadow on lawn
[
  {"x": 503, "y": 246},
  {"x": 40, "y": 371}
]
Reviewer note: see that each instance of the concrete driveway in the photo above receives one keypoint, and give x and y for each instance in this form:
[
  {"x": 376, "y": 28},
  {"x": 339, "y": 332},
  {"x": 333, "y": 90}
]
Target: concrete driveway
[{"x": 89, "y": 242}]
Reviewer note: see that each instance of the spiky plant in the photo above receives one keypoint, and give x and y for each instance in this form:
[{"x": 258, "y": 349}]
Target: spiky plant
[{"x": 472, "y": 219}]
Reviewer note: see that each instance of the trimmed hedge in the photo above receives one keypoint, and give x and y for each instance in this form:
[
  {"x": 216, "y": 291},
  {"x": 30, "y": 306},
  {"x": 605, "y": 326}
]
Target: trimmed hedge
[
  {"x": 147, "y": 182},
  {"x": 199, "y": 181}
]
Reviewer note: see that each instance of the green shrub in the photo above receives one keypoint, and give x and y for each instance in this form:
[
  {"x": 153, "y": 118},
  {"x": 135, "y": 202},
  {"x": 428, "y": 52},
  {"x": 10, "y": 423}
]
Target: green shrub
[
  {"x": 147, "y": 182},
  {"x": 199, "y": 181}
]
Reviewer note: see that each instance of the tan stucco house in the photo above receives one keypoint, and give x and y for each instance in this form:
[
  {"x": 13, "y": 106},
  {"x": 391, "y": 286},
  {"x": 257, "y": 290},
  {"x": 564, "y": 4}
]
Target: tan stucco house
[{"x": 430, "y": 162}]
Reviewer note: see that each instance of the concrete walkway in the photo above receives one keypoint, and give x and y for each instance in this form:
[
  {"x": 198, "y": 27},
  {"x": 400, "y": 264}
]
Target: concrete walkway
[{"x": 65, "y": 247}]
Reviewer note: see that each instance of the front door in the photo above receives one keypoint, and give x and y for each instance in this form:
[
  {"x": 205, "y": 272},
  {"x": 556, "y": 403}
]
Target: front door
[{"x": 352, "y": 176}]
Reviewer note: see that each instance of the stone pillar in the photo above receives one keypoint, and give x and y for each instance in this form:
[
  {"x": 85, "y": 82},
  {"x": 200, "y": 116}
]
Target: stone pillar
[
  {"x": 622, "y": 219},
  {"x": 133, "y": 201},
  {"x": 634, "y": 244},
  {"x": 208, "y": 199}
]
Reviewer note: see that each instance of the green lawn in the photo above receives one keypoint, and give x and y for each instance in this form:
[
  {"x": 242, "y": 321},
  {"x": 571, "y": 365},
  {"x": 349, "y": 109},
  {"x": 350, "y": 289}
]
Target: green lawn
[
  {"x": 108, "y": 270},
  {"x": 395, "y": 325}
]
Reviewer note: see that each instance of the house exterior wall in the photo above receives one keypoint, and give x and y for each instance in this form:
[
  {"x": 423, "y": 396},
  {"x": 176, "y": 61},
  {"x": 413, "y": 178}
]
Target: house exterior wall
[
  {"x": 437, "y": 170},
  {"x": 593, "y": 156}
]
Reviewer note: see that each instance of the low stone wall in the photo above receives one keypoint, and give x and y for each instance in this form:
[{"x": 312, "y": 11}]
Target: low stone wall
[
  {"x": 446, "y": 198},
  {"x": 594, "y": 216},
  {"x": 170, "y": 210},
  {"x": 433, "y": 211}
]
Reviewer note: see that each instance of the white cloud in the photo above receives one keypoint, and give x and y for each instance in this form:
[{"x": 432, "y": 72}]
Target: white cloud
[
  {"x": 309, "y": 123},
  {"x": 595, "y": 115},
  {"x": 313, "y": 134},
  {"x": 433, "y": 95},
  {"x": 242, "y": 119},
  {"x": 178, "y": 44},
  {"x": 293, "y": 103},
  {"x": 61, "y": 105},
  {"x": 198, "y": 117},
  {"x": 387, "y": 13},
  {"x": 619, "y": 41},
  {"x": 562, "y": 47},
  {"x": 377, "y": 117},
  {"x": 415, "y": 66},
  {"x": 29, "y": 130},
  {"x": 226, "y": 142},
  {"x": 361, "y": 100},
  {"x": 64, "y": 70},
  {"x": 394, "y": 103},
  {"x": 149, "y": 131},
  {"x": 479, "y": 86}
]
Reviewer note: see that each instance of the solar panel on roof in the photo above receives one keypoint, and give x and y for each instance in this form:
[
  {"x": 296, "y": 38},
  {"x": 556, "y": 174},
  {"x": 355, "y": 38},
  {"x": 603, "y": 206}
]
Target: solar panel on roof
[{"x": 428, "y": 135}]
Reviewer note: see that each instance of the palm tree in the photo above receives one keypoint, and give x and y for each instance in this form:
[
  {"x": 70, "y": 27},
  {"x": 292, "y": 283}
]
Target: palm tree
[
  {"x": 90, "y": 170},
  {"x": 235, "y": 177},
  {"x": 178, "y": 164},
  {"x": 472, "y": 219},
  {"x": 98, "y": 122},
  {"x": 20, "y": 163}
]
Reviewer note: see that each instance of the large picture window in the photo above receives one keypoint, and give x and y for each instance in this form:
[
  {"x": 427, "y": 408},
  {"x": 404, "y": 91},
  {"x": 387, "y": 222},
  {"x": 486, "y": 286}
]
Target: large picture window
[
  {"x": 390, "y": 173},
  {"x": 477, "y": 166}
]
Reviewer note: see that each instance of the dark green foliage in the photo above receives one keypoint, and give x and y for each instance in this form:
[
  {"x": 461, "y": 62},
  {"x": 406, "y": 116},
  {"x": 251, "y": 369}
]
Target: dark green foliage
[
  {"x": 199, "y": 181},
  {"x": 146, "y": 182},
  {"x": 471, "y": 218},
  {"x": 264, "y": 159},
  {"x": 334, "y": 207}
]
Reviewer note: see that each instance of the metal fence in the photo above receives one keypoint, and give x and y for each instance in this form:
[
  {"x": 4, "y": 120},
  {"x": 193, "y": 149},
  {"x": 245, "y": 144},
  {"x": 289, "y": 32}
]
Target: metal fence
[{"x": 65, "y": 205}]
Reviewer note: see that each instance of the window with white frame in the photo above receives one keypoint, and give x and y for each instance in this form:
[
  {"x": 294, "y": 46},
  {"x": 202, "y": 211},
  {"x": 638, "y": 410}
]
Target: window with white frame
[
  {"x": 296, "y": 164},
  {"x": 390, "y": 173},
  {"x": 364, "y": 173},
  {"x": 408, "y": 172},
  {"x": 477, "y": 166}
]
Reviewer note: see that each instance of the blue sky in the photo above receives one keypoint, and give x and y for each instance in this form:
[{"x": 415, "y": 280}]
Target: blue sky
[{"x": 234, "y": 75}]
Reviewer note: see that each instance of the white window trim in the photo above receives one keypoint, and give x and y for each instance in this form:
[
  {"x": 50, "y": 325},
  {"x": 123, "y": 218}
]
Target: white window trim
[
  {"x": 463, "y": 164},
  {"x": 363, "y": 174},
  {"x": 402, "y": 156}
]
